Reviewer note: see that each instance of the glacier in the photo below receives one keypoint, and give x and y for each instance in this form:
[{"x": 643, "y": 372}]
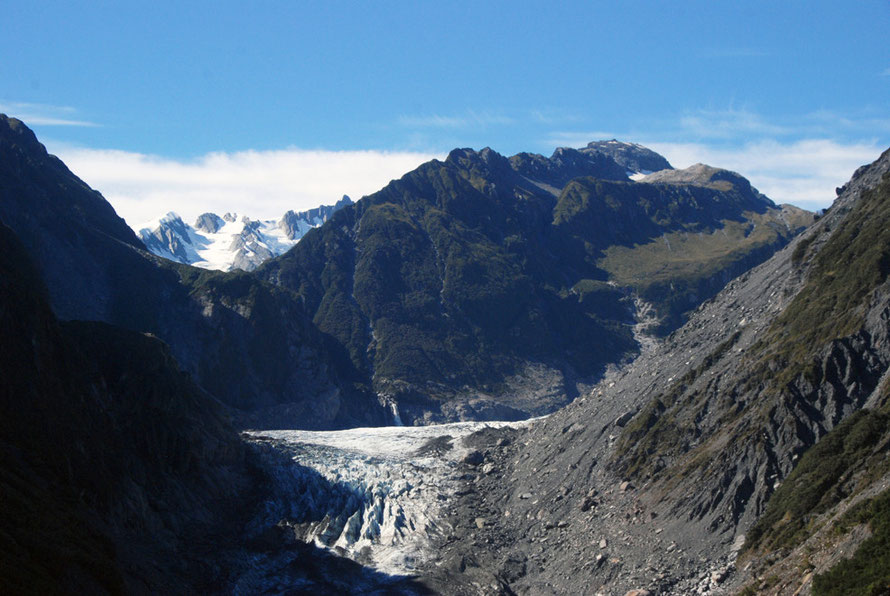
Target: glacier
[{"x": 373, "y": 495}]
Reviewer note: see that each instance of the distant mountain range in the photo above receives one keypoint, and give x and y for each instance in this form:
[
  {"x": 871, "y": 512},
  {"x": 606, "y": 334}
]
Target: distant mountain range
[{"x": 232, "y": 241}]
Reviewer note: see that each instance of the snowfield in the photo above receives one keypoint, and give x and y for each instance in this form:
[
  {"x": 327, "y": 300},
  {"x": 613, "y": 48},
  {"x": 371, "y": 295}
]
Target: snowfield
[{"x": 374, "y": 495}]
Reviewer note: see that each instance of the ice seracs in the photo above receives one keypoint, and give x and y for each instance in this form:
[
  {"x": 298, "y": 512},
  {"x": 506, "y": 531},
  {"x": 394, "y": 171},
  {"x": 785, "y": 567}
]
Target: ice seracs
[
  {"x": 232, "y": 241},
  {"x": 375, "y": 495}
]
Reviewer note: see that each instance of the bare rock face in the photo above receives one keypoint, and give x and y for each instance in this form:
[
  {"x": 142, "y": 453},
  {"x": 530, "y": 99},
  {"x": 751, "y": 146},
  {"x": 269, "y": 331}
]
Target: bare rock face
[
  {"x": 296, "y": 224},
  {"x": 633, "y": 157},
  {"x": 209, "y": 222}
]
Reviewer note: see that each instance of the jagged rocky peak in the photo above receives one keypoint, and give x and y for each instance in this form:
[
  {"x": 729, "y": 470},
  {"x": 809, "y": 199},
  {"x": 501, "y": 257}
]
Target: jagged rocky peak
[
  {"x": 169, "y": 237},
  {"x": 209, "y": 222},
  {"x": 566, "y": 164},
  {"x": 296, "y": 223},
  {"x": 233, "y": 241},
  {"x": 166, "y": 228},
  {"x": 633, "y": 157},
  {"x": 486, "y": 159}
]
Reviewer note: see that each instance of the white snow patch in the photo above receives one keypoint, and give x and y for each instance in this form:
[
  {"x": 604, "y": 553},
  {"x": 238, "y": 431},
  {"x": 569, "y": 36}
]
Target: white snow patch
[
  {"x": 637, "y": 176},
  {"x": 221, "y": 249}
]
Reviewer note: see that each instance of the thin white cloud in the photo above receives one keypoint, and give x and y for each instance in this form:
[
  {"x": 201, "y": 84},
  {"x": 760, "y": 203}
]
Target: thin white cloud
[
  {"x": 826, "y": 121},
  {"x": 803, "y": 173},
  {"x": 39, "y": 114},
  {"x": 886, "y": 73},
  {"x": 259, "y": 184},
  {"x": 729, "y": 123},
  {"x": 470, "y": 118},
  {"x": 552, "y": 117}
]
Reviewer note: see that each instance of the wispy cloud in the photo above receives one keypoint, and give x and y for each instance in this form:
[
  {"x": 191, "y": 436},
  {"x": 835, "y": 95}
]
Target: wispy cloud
[
  {"x": 729, "y": 123},
  {"x": 804, "y": 173},
  {"x": 468, "y": 119},
  {"x": 827, "y": 122},
  {"x": 40, "y": 114},
  {"x": 886, "y": 73},
  {"x": 798, "y": 160},
  {"x": 551, "y": 116},
  {"x": 261, "y": 184}
]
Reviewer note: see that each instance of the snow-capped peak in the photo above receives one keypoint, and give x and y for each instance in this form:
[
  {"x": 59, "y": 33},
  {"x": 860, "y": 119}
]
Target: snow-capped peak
[{"x": 232, "y": 241}]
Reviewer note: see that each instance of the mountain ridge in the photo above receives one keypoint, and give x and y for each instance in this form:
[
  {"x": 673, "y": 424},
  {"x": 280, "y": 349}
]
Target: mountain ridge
[{"x": 474, "y": 245}]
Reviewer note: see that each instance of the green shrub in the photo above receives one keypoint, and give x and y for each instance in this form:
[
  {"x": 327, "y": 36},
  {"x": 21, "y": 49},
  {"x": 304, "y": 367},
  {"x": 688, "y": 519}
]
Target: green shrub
[{"x": 868, "y": 570}]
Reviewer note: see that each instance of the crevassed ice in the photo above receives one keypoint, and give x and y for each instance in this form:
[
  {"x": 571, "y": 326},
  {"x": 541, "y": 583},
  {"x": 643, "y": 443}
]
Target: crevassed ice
[{"x": 375, "y": 499}]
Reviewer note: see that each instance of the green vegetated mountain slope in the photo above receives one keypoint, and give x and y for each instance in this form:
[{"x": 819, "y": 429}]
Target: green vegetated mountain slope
[
  {"x": 118, "y": 474},
  {"x": 833, "y": 340},
  {"x": 735, "y": 425},
  {"x": 819, "y": 358},
  {"x": 677, "y": 237},
  {"x": 487, "y": 287},
  {"x": 250, "y": 344},
  {"x": 750, "y": 450}
]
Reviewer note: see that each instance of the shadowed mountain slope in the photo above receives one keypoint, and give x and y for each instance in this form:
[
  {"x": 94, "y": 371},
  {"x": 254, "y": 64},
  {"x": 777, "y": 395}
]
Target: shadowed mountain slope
[
  {"x": 250, "y": 344},
  {"x": 484, "y": 287},
  {"x": 116, "y": 469}
]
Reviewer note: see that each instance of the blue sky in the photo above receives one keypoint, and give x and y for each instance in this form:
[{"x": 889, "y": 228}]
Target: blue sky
[{"x": 162, "y": 106}]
